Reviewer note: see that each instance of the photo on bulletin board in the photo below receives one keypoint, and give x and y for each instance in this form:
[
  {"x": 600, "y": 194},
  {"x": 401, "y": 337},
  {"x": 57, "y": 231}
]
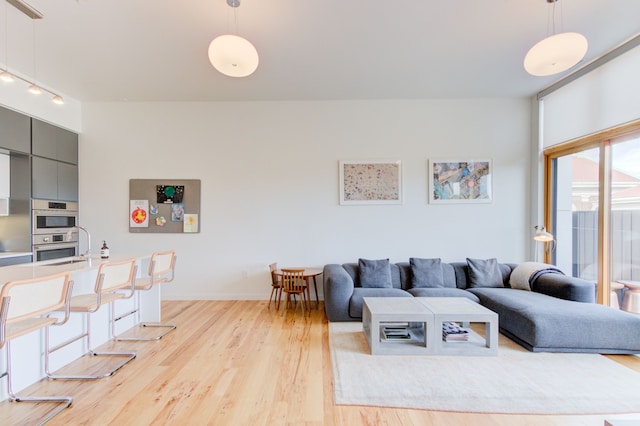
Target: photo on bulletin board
[
  {"x": 177, "y": 212},
  {"x": 190, "y": 223},
  {"x": 167, "y": 194},
  {"x": 138, "y": 213}
]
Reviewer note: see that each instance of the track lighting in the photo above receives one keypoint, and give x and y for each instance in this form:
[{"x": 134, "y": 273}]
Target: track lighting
[{"x": 8, "y": 77}]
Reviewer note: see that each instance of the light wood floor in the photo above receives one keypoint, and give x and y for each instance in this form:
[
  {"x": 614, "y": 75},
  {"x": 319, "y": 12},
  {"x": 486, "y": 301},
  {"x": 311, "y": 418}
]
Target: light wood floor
[{"x": 239, "y": 363}]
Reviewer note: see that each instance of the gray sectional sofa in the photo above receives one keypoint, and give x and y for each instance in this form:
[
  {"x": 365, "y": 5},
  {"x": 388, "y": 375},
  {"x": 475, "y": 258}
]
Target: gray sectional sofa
[{"x": 553, "y": 313}]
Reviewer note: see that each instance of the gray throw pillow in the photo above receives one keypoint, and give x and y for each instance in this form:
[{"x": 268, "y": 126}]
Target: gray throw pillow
[
  {"x": 426, "y": 273},
  {"x": 374, "y": 273},
  {"x": 484, "y": 273}
]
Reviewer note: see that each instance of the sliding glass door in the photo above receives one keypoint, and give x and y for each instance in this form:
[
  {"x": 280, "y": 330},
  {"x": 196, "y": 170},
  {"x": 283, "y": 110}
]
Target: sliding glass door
[
  {"x": 593, "y": 209},
  {"x": 625, "y": 214},
  {"x": 576, "y": 195}
]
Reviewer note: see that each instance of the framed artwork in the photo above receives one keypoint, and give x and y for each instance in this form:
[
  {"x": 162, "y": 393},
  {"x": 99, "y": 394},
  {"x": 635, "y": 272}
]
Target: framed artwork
[
  {"x": 456, "y": 181},
  {"x": 370, "y": 182}
]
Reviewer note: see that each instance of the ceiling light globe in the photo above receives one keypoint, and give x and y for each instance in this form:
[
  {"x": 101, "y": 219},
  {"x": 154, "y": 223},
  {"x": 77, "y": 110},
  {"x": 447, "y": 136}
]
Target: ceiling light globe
[
  {"x": 233, "y": 56},
  {"x": 555, "y": 54},
  {"x": 57, "y": 99}
]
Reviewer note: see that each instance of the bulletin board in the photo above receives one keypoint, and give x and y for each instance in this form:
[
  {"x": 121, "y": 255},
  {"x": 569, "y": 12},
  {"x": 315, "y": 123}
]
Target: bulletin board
[{"x": 164, "y": 205}]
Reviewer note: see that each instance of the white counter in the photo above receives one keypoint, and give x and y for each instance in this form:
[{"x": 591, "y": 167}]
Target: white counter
[
  {"x": 28, "y": 362},
  {"x": 9, "y": 254}
]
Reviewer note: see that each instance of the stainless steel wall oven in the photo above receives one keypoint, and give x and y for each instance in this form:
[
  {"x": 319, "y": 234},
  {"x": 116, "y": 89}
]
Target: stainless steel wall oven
[{"x": 55, "y": 232}]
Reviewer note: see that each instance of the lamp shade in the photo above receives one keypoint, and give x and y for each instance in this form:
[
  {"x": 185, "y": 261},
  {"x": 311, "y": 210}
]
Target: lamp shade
[
  {"x": 543, "y": 236},
  {"x": 233, "y": 55},
  {"x": 555, "y": 54}
]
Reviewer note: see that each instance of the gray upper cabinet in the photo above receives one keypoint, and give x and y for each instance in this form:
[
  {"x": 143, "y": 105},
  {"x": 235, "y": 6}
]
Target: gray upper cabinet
[
  {"x": 53, "y": 142},
  {"x": 54, "y": 180},
  {"x": 54, "y": 160},
  {"x": 67, "y": 182},
  {"x": 15, "y": 131}
]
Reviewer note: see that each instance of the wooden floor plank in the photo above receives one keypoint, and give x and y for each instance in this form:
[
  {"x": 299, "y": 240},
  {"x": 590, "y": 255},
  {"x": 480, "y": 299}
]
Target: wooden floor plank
[{"x": 240, "y": 363}]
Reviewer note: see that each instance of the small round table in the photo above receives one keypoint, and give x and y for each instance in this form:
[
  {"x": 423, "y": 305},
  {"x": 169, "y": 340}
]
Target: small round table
[
  {"x": 631, "y": 298},
  {"x": 308, "y": 273}
]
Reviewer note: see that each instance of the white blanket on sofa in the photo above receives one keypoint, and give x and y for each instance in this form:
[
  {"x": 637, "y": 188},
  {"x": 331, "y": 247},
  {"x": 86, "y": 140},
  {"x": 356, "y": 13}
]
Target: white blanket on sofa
[{"x": 523, "y": 272}]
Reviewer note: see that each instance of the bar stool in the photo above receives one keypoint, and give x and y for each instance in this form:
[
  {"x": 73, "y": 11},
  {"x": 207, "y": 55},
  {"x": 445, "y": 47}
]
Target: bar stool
[
  {"x": 112, "y": 277},
  {"x": 26, "y": 305},
  {"x": 161, "y": 270}
]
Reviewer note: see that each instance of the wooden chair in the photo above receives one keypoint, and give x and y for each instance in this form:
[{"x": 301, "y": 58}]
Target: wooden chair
[
  {"x": 161, "y": 270},
  {"x": 275, "y": 285},
  {"x": 112, "y": 278},
  {"x": 26, "y": 305},
  {"x": 293, "y": 283}
]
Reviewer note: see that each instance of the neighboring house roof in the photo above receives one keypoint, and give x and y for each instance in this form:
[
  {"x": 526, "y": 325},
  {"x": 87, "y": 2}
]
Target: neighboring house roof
[
  {"x": 586, "y": 170},
  {"x": 625, "y": 192}
]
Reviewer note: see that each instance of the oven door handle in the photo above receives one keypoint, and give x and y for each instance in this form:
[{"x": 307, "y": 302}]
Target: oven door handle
[{"x": 54, "y": 246}]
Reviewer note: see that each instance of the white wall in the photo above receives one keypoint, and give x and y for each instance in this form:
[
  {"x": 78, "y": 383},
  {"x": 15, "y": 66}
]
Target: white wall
[{"x": 269, "y": 173}]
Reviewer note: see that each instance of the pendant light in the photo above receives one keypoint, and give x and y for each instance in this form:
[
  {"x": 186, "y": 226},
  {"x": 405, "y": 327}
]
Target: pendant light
[
  {"x": 233, "y": 55},
  {"x": 556, "y": 53}
]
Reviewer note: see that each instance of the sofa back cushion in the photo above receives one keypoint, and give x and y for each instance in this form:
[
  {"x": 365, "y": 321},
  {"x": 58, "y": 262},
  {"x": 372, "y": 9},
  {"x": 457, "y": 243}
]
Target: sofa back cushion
[
  {"x": 406, "y": 277},
  {"x": 353, "y": 271},
  {"x": 484, "y": 273},
  {"x": 462, "y": 274},
  {"x": 374, "y": 273},
  {"x": 426, "y": 273}
]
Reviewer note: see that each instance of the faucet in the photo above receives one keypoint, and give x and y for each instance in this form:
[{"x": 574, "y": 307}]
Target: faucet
[{"x": 88, "y": 252}]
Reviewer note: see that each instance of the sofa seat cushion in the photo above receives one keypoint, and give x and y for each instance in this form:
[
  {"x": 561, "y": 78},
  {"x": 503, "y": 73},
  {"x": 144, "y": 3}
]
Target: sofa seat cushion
[
  {"x": 355, "y": 303},
  {"x": 443, "y": 292},
  {"x": 544, "y": 323}
]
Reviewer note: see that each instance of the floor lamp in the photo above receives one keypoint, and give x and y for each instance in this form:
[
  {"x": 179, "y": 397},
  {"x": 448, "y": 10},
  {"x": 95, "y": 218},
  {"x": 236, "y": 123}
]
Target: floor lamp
[{"x": 542, "y": 236}]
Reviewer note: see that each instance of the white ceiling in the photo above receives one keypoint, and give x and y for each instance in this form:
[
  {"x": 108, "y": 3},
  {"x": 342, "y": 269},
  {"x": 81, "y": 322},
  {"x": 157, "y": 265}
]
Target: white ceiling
[{"x": 156, "y": 50}]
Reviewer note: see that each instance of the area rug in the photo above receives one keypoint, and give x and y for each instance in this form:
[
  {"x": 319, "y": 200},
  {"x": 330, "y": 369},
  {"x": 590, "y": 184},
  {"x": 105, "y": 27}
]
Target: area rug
[{"x": 514, "y": 382}]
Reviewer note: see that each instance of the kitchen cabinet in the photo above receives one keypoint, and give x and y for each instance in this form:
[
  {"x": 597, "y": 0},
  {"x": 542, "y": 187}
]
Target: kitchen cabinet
[
  {"x": 53, "y": 142},
  {"x": 5, "y": 175},
  {"x": 15, "y": 260},
  {"x": 5, "y": 183},
  {"x": 54, "y": 169},
  {"x": 54, "y": 180},
  {"x": 16, "y": 131}
]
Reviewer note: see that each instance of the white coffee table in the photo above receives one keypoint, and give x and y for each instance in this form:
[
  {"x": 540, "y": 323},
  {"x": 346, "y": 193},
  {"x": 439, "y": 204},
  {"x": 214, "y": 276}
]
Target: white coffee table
[
  {"x": 461, "y": 309},
  {"x": 380, "y": 311}
]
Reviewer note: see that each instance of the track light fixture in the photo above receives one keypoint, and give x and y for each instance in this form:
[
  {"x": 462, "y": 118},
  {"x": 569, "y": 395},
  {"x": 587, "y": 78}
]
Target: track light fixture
[{"x": 8, "y": 77}]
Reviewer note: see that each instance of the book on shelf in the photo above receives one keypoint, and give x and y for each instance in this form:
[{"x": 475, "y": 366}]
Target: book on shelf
[
  {"x": 396, "y": 331},
  {"x": 453, "y": 332}
]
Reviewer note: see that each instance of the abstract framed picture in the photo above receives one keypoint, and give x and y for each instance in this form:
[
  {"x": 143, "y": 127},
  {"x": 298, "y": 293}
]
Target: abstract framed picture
[
  {"x": 460, "y": 181},
  {"x": 370, "y": 182}
]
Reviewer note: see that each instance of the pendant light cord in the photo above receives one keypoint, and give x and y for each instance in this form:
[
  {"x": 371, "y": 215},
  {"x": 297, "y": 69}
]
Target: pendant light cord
[
  {"x": 35, "y": 78},
  {"x": 6, "y": 37},
  {"x": 551, "y": 20}
]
